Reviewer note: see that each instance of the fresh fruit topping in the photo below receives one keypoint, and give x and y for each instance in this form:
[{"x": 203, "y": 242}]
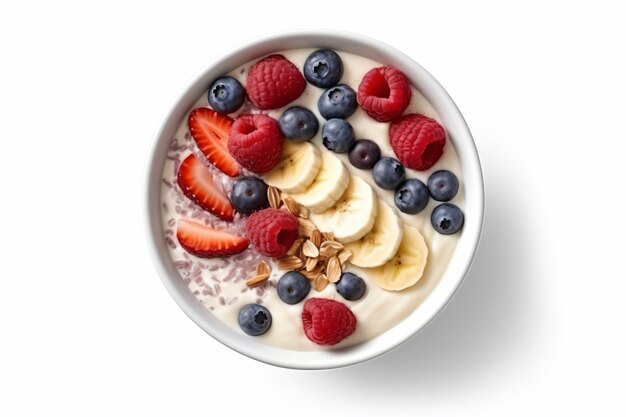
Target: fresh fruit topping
[
  {"x": 384, "y": 93},
  {"x": 327, "y": 187},
  {"x": 338, "y": 102},
  {"x": 338, "y": 135},
  {"x": 272, "y": 231},
  {"x": 350, "y": 286},
  {"x": 298, "y": 166},
  {"x": 443, "y": 185},
  {"x": 210, "y": 130},
  {"x": 256, "y": 142},
  {"x": 206, "y": 242},
  {"x": 364, "y": 154},
  {"x": 447, "y": 219},
  {"x": 293, "y": 287},
  {"x": 254, "y": 319},
  {"x": 298, "y": 123},
  {"x": 417, "y": 140},
  {"x": 381, "y": 243},
  {"x": 327, "y": 322},
  {"x": 412, "y": 196},
  {"x": 352, "y": 216},
  {"x": 388, "y": 173},
  {"x": 323, "y": 68},
  {"x": 274, "y": 82},
  {"x": 196, "y": 182},
  {"x": 249, "y": 195},
  {"x": 226, "y": 95},
  {"x": 407, "y": 265}
]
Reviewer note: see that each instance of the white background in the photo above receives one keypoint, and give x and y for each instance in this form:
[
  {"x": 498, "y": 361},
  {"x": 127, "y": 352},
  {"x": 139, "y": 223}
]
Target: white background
[{"x": 87, "y": 328}]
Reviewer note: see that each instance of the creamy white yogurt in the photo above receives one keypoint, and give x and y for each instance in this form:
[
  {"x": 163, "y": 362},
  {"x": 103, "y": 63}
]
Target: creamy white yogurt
[{"x": 221, "y": 287}]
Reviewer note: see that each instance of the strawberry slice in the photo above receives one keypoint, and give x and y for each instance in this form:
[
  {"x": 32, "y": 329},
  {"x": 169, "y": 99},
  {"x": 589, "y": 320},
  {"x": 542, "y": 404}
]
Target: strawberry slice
[
  {"x": 197, "y": 184},
  {"x": 210, "y": 131},
  {"x": 206, "y": 242}
]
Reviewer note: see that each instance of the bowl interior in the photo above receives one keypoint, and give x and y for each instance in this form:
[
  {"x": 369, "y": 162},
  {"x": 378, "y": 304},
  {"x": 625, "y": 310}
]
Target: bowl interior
[{"x": 457, "y": 131}]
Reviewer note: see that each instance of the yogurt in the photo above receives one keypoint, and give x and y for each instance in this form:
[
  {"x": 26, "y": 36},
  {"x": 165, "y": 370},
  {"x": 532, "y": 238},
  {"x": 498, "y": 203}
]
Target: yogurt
[{"x": 219, "y": 283}]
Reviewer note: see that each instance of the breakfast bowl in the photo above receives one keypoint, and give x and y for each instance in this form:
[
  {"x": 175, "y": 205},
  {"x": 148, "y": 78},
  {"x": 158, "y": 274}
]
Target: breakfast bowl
[{"x": 231, "y": 286}]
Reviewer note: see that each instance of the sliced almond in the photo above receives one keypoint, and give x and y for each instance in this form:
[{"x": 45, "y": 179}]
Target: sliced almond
[
  {"x": 303, "y": 257},
  {"x": 292, "y": 206},
  {"x": 327, "y": 252},
  {"x": 344, "y": 255},
  {"x": 330, "y": 248},
  {"x": 257, "y": 280},
  {"x": 316, "y": 238},
  {"x": 263, "y": 268},
  {"x": 306, "y": 227},
  {"x": 273, "y": 196},
  {"x": 295, "y": 248},
  {"x": 290, "y": 263},
  {"x": 311, "y": 263},
  {"x": 328, "y": 236},
  {"x": 333, "y": 269},
  {"x": 304, "y": 213},
  {"x": 314, "y": 273},
  {"x": 310, "y": 250},
  {"x": 320, "y": 283}
]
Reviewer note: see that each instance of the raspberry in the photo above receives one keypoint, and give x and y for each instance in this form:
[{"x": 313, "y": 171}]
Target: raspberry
[
  {"x": 327, "y": 322},
  {"x": 384, "y": 93},
  {"x": 256, "y": 142},
  {"x": 272, "y": 231},
  {"x": 274, "y": 82},
  {"x": 417, "y": 140}
]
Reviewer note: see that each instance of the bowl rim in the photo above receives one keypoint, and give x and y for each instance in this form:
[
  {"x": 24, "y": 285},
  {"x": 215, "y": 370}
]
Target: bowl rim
[{"x": 444, "y": 290}]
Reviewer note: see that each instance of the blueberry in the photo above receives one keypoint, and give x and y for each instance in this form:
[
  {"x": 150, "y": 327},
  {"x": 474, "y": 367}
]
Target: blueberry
[
  {"x": 226, "y": 95},
  {"x": 298, "y": 123},
  {"x": 337, "y": 135},
  {"x": 350, "y": 286},
  {"x": 254, "y": 319},
  {"x": 412, "y": 196},
  {"x": 249, "y": 195},
  {"x": 364, "y": 154},
  {"x": 293, "y": 287},
  {"x": 447, "y": 219},
  {"x": 388, "y": 173},
  {"x": 338, "y": 102},
  {"x": 323, "y": 68},
  {"x": 443, "y": 185}
]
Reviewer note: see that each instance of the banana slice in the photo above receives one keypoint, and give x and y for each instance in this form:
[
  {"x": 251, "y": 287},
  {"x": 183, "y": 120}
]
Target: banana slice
[
  {"x": 298, "y": 166},
  {"x": 329, "y": 185},
  {"x": 352, "y": 216},
  {"x": 379, "y": 245},
  {"x": 406, "y": 267}
]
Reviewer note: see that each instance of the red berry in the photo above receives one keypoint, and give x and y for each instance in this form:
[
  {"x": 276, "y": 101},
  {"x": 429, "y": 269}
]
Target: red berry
[
  {"x": 274, "y": 82},
  {"x": 272, "y": 231},
  {"x": 256, "y": 142},
  {"x": 210, "y": 131},
  {"x": 417, "y": 140},
  {"x": 384, "y": 93},
  {"x": 196, "y": 182},
  {"x": 207, "y": 242},
  {"x": 327, "y": 322}
]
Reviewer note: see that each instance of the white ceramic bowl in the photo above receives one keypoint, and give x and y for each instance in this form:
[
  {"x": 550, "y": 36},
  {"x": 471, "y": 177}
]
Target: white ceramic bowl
[{"x": 457, "y": 131}]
